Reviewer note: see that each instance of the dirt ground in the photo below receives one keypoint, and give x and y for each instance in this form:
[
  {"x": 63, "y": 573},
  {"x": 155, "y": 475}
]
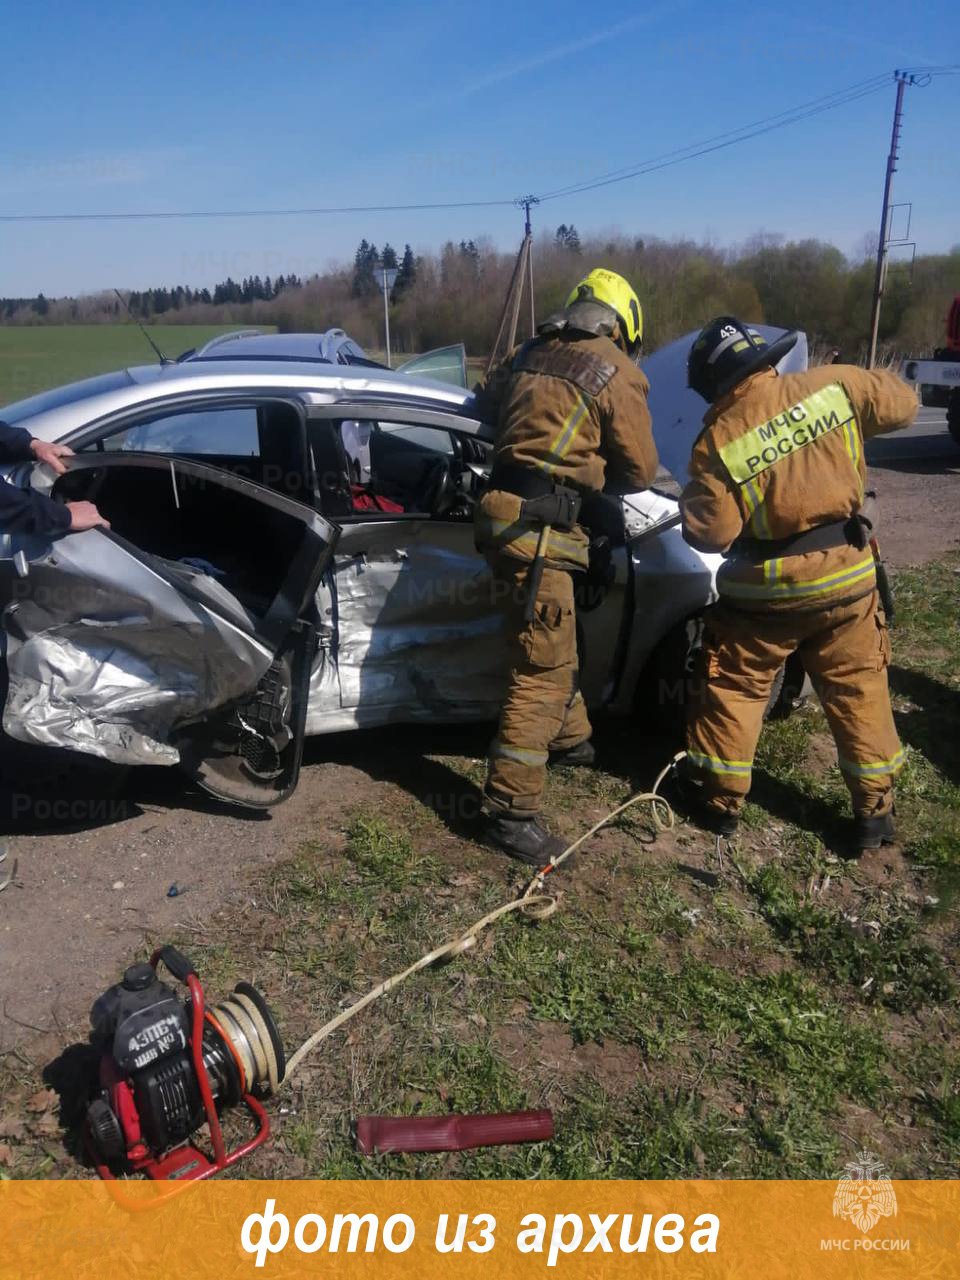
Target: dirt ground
[
  {"x": 100, "y": 888},
  {"x": 918, "y": 509}
]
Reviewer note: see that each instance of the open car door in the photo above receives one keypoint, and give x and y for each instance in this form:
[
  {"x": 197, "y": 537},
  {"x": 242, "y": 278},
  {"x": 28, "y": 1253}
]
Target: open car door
[
  {"x": 443, "y": 364},
  {"x": 184, "y": 634}
]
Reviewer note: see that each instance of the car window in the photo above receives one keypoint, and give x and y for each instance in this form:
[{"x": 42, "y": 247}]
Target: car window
[
  {"x": 432, "y": 439},
  {"x": 446, "y": 364},
  {"x": 230, "y": 430},
  {"x": 386, "y": 468}
]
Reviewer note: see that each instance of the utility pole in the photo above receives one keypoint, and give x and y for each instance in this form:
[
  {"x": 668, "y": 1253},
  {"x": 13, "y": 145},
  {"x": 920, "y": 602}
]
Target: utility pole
[
  {"x": 388, "y": 277},
  {"x": 522, "y": 272},
  {"x": 527, "y": 201},
  {"x": 880, "y": 278}
]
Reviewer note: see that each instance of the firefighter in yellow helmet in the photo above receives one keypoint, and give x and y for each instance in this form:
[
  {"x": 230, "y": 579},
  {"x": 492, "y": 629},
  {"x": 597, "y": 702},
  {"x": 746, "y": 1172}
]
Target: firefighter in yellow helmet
[
  {"x": 571, "y": 419},
  {"x": 777, "y": 485}
]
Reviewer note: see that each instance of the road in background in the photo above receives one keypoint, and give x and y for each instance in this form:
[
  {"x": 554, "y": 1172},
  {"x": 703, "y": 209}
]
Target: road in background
[{"x": 926, "y": 440}]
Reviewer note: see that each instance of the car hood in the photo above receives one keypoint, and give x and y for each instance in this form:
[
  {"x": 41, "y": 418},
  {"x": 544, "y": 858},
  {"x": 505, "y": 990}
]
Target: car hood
[{"x": 677, "y": 411}]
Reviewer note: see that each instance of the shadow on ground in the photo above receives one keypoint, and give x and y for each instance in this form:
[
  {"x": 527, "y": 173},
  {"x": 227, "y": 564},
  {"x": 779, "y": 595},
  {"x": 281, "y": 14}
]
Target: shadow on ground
[{"x": 931, "y": 724}]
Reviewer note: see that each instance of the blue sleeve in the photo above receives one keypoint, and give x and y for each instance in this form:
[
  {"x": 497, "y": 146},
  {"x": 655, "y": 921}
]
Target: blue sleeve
[
  {"x": 24, "y": 512},
  {"x": 14, "y": 444}
]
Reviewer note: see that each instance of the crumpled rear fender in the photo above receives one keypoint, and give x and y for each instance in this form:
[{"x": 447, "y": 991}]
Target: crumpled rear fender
[{"x": 106, "y": 657}]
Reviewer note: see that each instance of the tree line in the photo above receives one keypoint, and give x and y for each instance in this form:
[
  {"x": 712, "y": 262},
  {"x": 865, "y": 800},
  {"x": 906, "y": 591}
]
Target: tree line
[{"x": 457, "y": 293}]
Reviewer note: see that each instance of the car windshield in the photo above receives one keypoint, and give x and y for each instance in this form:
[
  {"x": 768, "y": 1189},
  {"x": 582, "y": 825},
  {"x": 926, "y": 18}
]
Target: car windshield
[{"x": 20, "y": 410}]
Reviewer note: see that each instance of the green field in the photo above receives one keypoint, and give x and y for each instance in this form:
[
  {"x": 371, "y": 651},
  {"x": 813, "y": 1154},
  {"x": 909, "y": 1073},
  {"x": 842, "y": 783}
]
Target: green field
[
  {"x": 41, "y": 356},
  {"x": 34, "y": 358}
]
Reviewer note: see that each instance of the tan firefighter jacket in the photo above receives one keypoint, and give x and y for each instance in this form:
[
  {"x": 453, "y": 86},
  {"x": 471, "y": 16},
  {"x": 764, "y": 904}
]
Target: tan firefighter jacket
[
  {"x": 572, "y": 408},
  {"x": 781, "y": 455}
]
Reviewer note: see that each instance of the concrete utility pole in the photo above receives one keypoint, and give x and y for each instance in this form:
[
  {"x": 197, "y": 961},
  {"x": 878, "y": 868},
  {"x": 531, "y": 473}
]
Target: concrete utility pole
[
  {"x": 388, "y": 277},
  {"x": 880, "y": 278}
]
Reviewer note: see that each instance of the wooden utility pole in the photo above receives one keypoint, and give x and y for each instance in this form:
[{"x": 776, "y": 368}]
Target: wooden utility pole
[
  {"x": 880, "y": 277},
  {"x": 506, "y": 338},
  {"x": 528, "y": 237}
]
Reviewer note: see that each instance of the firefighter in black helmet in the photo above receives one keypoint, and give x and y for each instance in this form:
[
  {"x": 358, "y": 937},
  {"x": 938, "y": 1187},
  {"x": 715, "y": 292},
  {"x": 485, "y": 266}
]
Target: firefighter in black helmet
[{"x": 777, "y": 486}]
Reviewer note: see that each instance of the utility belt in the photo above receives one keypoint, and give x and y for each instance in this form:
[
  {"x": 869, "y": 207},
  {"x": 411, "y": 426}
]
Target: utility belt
[
  {"x": 544, "y": 501},
  {"x": 856, "y": 531}
]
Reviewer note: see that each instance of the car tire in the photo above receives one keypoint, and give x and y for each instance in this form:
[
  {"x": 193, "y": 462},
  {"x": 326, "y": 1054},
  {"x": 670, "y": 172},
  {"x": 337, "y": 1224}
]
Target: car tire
[
  {"x": 953, "y": 417},
  {"x": 666, "y": 685}
]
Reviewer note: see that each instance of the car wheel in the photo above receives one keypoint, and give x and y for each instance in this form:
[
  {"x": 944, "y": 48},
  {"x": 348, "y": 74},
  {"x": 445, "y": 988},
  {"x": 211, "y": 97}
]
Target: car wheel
[
  {"x": 953, "y": 417},
  {"x": 667, "y": 680},
  {"x": 666, "y": 685}
]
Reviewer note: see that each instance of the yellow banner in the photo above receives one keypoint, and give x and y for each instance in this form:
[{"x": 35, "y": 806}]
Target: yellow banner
[{"x": 862, "y": 1227}]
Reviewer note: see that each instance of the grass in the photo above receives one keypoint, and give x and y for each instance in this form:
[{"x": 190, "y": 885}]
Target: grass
[
  {"x": 765, "y": 1018},
  {"x": 34, "y": 358}
]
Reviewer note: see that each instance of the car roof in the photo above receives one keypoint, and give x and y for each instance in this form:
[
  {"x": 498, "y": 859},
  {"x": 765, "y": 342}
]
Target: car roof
[
  {"x": 331, "y": 347},
  {"x": 57, "y": 414}
]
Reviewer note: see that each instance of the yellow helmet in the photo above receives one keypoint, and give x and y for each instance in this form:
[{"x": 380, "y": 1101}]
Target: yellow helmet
[{"x": 613, "y": 291}]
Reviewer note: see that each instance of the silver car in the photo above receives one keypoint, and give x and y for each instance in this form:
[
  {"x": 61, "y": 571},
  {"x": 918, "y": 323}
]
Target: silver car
[{"x": 291, "y": 552}]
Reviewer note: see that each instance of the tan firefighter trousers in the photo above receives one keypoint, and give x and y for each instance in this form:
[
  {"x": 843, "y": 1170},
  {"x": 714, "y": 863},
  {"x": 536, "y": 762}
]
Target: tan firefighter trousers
[
  {"x": 544, "y": 710},
  {"x": 845, "y": 650}
]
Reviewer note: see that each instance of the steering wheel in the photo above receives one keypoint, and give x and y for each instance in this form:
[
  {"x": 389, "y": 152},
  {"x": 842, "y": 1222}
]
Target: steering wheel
[{"x": 437, "y": 491}]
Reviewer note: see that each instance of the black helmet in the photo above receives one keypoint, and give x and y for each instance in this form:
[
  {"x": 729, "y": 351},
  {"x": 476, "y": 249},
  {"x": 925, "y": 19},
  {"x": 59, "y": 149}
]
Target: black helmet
[{"x": 727, "y": 351}]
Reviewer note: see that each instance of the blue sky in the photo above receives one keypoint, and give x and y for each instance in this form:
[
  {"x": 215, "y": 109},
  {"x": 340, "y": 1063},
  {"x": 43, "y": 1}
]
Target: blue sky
[{"x": 183, "y": 107}]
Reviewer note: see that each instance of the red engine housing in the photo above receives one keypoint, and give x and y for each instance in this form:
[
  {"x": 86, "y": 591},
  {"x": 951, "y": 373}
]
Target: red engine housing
[{"x": 185, "y": 1162}]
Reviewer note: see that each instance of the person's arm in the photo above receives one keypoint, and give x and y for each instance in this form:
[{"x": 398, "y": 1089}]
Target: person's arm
[
  {"x": 14, "y": 444},
  {"x": 22, "y": 511},
  {"x": 883, "y": 402},
  {"x": 711, "y": 516},
  {"x": 490, "y": 390},
  {"x": 17, "y": 445},
  {"x": 626, "y": 434}
]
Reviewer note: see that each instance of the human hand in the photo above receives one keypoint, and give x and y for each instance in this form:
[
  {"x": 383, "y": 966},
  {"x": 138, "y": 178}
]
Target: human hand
[
  {"x": 84, "y": 515},
  {"x": 51, "y": 454}
]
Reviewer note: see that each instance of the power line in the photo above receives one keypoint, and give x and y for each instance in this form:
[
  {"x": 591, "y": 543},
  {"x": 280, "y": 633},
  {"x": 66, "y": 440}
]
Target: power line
[
  {"x": 250, "y": 213},
  {"x": 793, "y": 115},
  {"x": 730, "y": 138}
]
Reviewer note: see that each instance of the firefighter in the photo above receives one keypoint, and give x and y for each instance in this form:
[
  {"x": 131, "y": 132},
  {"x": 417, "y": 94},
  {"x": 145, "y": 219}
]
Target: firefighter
[
  {"x": 570, "y": 409},
  {"x": 22, "y": 511},
  {"x": 777, "y": 486}
]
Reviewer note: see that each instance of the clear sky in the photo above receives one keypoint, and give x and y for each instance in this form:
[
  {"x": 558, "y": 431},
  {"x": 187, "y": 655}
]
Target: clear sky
[{"x": 183, "y": 106}]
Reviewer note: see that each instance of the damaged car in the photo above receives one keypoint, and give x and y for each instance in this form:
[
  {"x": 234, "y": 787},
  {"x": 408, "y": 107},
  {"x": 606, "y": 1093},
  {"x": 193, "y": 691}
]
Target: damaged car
[{"x": 291, "y": 552}]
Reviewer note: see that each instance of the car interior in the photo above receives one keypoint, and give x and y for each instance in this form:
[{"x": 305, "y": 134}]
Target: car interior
[
  {"x": 264, "y": 443},
  {"x": 233, "y": 537},
  {"x": 406, "y": 469}
]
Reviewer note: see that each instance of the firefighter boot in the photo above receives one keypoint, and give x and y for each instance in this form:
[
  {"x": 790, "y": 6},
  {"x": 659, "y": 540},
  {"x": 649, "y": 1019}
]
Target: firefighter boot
[
  {"x": 584, "y": 753},
  {"x": 522, "y": 838},
  {"x": 695, "y": 801},
  {"x": 870, "y": 831}
]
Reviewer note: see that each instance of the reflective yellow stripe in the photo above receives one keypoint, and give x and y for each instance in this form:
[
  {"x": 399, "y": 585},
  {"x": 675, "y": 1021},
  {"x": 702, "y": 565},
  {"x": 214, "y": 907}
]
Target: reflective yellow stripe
[
  {"x": 759, "y": 524},
  {"x": 561, "y": 446},
  {"x": 874, "y": 769},
  {"x": 800, "y": 425},
  {"x": 519, "y": 755},
  {"x": 564, "y": 546},
  {"x": 716, "y": 764},
  {"x": 772, "y": 570},
  {"x": 776, "y": 590},
  {"x": 851, "y": 439}
]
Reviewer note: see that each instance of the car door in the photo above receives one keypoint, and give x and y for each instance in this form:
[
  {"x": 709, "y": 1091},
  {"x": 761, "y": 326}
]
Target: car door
[
  {"x": 445, "y": 364},
  {"x": 417, "y": 629},
  {"x": 119, "y": 647}
]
